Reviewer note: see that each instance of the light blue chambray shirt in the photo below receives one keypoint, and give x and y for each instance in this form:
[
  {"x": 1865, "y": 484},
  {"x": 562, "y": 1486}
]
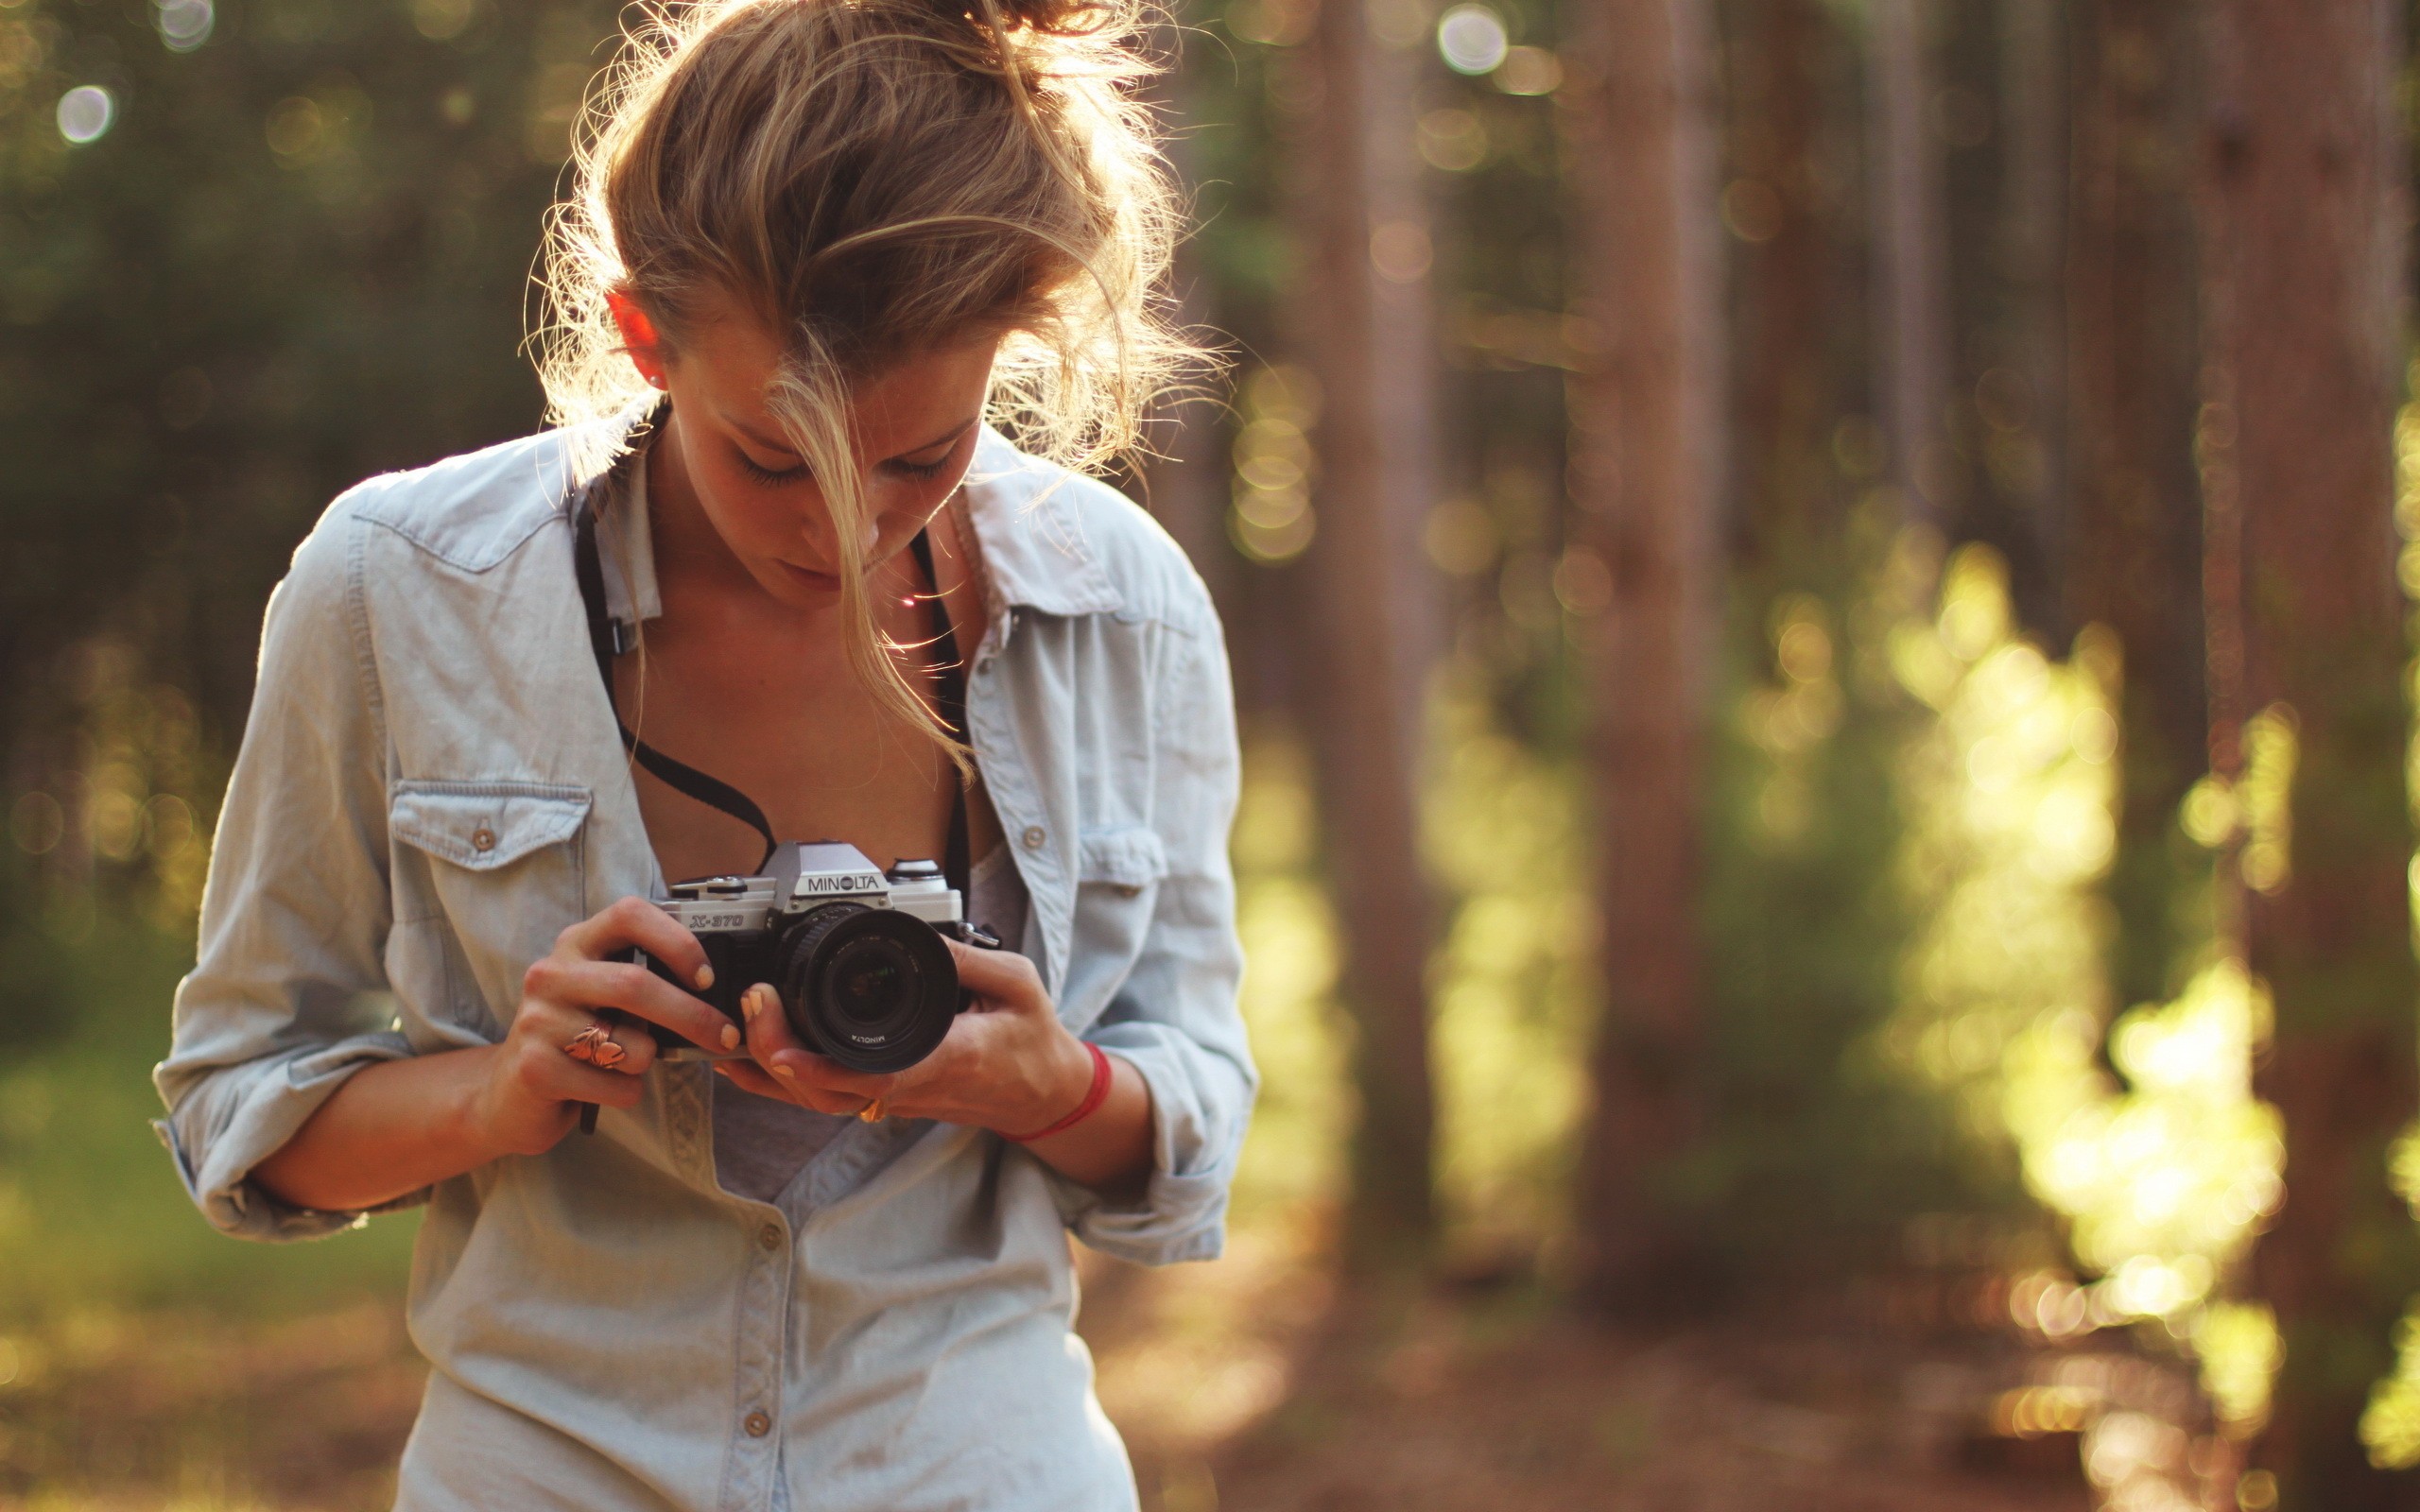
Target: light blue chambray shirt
[{"x": 430, "y": 790}]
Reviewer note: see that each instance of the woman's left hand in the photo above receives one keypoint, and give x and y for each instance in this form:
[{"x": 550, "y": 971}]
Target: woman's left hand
[{"x": 1007, "y": 1064}]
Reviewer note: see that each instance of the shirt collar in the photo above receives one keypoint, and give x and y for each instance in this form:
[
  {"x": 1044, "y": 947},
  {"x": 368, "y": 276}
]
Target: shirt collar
[{"x": 1023, "y": 512}]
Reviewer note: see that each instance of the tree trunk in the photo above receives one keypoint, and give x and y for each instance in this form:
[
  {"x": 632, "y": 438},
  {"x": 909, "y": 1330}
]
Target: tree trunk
[
  {"x": 1645, "y": 414},
  {"x": 1372, "y": 346},
  {"x": 1786, "y": 394},
  {"x": 1187, "y": 483},
  {"x": 2024, "y": 443},
  {"x": 2309, "y": 206},
  {"x": 2134, "y": 542},
  {"x": 1911, "y": 293}
]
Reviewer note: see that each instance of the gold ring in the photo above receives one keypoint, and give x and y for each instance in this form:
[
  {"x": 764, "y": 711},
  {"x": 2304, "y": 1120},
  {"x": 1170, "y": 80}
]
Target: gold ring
[
  {"x": 595, "y": 1045},
  {"x": 875, "y": 1112}
]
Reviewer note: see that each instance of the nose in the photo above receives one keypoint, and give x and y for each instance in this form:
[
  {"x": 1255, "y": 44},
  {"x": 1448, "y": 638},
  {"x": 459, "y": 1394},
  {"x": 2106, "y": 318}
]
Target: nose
[{"x": 817, "y": 525}]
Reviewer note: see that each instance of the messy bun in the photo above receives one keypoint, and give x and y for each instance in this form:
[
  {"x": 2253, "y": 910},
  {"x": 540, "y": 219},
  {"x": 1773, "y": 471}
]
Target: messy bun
[{"x": 875, "y": 179}]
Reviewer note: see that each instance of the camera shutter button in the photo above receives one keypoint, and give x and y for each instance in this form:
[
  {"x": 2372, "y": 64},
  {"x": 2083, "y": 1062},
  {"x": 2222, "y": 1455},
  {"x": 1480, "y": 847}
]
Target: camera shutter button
[
  {"x": 1033, "y": 836},
  {"x": 483, "y": 839}
]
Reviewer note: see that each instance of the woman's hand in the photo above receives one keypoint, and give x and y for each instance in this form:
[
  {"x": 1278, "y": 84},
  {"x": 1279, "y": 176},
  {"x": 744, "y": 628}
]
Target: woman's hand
[
  {"x": 1008, "y": 1064},
  {"x": 400, "y": 1125},
  {"x": 534, "y": 1087}
]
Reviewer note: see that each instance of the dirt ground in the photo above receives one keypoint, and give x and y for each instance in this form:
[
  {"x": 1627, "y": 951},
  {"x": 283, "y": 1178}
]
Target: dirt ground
[{"x": 1256, "y": 1385}]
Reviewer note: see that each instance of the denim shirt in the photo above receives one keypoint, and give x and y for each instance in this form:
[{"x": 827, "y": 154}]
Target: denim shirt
[{"x": 430, "y": 788}]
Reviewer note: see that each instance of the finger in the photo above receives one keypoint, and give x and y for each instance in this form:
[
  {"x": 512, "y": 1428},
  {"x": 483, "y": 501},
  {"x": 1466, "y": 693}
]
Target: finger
[
  {"x": 772, "y": 1042},
  {"x": 633, "y": 1049},
  {"x": 750, "y": 1077},
  {"x": 550, "y": 1075},
  {"x": 634, "y": 990},
  {"x": 631, "y": 922},
  {"x": 1003, "y": 976}
]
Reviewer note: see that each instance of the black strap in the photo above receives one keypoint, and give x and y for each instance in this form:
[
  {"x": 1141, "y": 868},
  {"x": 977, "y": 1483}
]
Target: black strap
[
  {"x": 712, "y": 791},
  {"x": 949, "y": 670}
]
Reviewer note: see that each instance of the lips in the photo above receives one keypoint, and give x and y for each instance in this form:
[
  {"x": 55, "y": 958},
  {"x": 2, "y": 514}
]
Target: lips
[{"x": 804, "y": 579}]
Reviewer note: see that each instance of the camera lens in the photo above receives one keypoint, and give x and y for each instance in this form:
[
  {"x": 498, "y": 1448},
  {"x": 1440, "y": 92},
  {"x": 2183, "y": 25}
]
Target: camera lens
[
  {"x": 869, "y": 981},
  {"x": 872, "y": 988}
]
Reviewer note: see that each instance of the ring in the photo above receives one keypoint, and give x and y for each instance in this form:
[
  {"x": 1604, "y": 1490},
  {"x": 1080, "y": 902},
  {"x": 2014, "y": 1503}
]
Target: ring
[
  {"x": 874, "y": 1112},
  {"x": 594, "y": 1044}
]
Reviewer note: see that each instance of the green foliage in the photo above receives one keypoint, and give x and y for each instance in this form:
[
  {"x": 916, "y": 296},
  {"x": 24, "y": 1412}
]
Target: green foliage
[
  {"x": 1824, "y": 1153},
  {"x": 91, "y": 1211},
  {"x": 297, "y": 256}
]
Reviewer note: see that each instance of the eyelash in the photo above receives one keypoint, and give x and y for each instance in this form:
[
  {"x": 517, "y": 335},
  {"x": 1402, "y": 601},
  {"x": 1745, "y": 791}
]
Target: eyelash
[
  {"x": 767, "y": 476},
  {"x": 771, "y": 479}
]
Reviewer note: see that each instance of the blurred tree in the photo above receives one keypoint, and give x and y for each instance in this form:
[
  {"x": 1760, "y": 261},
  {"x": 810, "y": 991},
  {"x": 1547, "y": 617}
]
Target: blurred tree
[
  {"x": 2133, "y": 536},
  {"x": 1910, "y": 262},
  {"x": 1647, "y": 418},
  {"x": 2020, "y": 395},
  {"x": 250, "y": 253},
  {"x": 1369, "y": 338},
  {"x": 1779, "y": 56},
  {"x": 1185, "y": 484},
  {"x": 2308, "y": 224}
]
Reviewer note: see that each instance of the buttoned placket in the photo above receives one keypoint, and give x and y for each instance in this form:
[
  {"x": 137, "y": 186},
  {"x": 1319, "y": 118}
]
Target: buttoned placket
[
  {"x": 1013, "y": 798},
  {"x": 766, "y": 1278}
]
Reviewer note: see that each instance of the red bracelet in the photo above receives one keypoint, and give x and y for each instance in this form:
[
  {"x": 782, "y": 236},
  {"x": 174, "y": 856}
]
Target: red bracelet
[{"x": 1094, "y": 1096}]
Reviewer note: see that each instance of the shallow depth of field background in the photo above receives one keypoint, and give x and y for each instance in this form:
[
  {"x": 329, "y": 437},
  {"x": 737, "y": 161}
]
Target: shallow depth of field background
[{"x": 1957, "y": 1151}]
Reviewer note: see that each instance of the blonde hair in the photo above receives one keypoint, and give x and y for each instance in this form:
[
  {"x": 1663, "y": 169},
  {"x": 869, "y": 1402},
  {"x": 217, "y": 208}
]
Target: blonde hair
[{"x": 875, "y": 179}]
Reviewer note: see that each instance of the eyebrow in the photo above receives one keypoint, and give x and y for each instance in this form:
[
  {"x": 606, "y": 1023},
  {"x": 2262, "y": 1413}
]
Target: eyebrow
[{"x": 747, "y": 434}]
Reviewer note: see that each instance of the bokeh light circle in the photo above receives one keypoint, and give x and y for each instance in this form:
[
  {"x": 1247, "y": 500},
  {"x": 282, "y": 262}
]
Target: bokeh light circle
[
  {"x": 86, "y": 112},
  {"x": 185, "y": 25},
  {"x": 1472, "y": 40}
]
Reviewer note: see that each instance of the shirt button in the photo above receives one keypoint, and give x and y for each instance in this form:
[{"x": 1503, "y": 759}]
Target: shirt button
[
  {"x": 758, "y": 1425},
  {"x": 1033, "y": 836},
  {"x": 770, "y": 1236},
  {"x": 483, "y": 839}
]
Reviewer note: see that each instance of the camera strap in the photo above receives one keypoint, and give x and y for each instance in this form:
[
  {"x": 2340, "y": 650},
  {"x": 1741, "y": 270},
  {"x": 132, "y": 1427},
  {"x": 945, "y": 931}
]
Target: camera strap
[{"x": 605, "y": 642}]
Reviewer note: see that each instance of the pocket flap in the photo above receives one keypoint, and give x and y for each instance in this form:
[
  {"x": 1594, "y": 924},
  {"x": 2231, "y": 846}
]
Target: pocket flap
[
  {"x": 1130, "y": 857},
  {"x": 485, "y": 825}
]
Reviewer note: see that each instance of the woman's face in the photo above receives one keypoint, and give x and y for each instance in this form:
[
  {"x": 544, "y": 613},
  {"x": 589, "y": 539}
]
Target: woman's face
[{"x": 915, "y": 424}]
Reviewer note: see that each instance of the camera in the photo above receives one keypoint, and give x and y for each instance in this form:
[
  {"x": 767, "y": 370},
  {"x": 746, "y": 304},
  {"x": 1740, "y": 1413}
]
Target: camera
[{"x": 855, "y": 952}]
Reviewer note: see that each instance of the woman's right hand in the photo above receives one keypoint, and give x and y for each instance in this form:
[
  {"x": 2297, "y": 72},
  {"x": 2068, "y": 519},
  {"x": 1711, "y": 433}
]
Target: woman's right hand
[{"x": 534, "y": 1088}]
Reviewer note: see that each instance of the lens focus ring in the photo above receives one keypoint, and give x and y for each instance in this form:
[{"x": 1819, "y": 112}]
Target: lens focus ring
[{"x": 870, "y": 987}]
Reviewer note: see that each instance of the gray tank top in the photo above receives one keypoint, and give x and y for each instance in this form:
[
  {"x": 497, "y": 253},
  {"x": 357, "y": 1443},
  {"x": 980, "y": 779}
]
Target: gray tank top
[{"x": 761, "y": 1143}]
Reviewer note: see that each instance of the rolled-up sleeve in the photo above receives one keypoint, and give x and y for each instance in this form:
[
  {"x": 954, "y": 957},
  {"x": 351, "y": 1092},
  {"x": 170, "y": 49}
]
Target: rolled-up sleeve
[
  {"x": 1177, "y": 1016},
  {"x": 287, "y": 996}
]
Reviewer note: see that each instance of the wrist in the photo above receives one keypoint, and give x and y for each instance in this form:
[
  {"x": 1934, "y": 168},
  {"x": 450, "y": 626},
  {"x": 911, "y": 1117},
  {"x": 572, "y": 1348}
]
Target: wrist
[
  {"x": 470, "y": 1124},
  {"x": 1067, "y": 1112}
]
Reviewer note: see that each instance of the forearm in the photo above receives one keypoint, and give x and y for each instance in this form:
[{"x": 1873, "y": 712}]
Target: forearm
[
  {"x": 390, "y": 1130},
  {"x": 1108, "y": 1151}
]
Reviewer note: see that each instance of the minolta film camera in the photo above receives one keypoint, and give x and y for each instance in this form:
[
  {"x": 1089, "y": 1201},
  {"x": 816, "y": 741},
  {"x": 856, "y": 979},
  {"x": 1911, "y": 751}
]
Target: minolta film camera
[{"x": 854, "y": 951}]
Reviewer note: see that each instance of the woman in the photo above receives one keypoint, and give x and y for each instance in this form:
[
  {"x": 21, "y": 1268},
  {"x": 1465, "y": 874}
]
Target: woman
[{"x": 816, "y": 243}]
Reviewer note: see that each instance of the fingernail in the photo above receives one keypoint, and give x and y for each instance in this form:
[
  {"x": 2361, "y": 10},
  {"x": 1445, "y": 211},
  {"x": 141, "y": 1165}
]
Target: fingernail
[
  {"x": 705, "y": 977},
  {"x": 748, "y": 1003},
  {"x": 731, "y": 1037},
  {"x": 783, "y": 1072}
]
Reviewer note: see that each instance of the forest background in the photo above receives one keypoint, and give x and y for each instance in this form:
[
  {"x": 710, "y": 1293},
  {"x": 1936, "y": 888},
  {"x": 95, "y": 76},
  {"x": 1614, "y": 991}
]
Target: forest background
[{"x": 1819, "y": 599}]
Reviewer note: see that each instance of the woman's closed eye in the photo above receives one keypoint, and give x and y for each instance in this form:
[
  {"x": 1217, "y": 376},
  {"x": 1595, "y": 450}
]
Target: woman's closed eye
[
  {"x": 932, "y": 460},
  {"x": 920, "y": 470},
  {"x": 769, "y": 476}
]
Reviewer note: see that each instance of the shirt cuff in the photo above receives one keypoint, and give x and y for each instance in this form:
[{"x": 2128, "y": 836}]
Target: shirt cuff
[
  {"x": 1182, "y": 1213},
  {"x": 229, "y": 1124}
]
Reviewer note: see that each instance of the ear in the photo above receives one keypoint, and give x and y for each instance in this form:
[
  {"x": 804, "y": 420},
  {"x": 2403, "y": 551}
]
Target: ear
[{"x": 639, "y": 337}]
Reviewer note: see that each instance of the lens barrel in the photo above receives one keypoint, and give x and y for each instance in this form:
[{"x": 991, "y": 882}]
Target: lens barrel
[{"x": 872, "y": 988}]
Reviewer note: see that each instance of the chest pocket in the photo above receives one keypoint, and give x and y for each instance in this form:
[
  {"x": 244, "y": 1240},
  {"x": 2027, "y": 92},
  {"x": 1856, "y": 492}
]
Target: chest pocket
[
  {"x": 1117, "y": 879},
  {"x": 486, "y": 875}
]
